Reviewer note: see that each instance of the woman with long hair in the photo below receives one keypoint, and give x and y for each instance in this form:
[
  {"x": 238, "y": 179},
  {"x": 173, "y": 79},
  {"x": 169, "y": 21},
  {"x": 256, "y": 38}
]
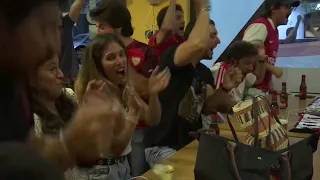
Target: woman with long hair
[
  {"x": 106, "y": 60},
  {"x": 53, "y": 105}
]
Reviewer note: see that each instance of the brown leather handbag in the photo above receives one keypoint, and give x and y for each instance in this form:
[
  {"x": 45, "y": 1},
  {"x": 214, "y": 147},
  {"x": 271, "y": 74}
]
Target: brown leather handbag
[{"x": 222, "y": 158}]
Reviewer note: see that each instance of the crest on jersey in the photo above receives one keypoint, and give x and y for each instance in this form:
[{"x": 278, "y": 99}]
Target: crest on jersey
[{"x": 135, "y": 60}]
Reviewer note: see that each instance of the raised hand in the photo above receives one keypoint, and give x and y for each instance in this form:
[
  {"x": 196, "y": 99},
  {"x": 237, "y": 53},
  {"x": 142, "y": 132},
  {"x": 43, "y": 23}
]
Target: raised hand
[
  {"x": 159, "y": 81},
  {"x": 97, "y": 88},
  {"x": 202, "y": 3},
  {"x": 232, "y": 78}
]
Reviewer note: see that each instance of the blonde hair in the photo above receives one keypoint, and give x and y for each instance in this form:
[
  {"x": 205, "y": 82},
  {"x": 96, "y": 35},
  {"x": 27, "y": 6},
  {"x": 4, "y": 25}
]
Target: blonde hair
[{"x": 92, "y": 68}]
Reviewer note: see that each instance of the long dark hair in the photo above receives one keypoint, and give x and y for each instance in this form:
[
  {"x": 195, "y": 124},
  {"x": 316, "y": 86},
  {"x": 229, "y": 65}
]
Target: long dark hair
[
  {"x": 51, "y": 122},
  {"x": 91, "y": 68}
]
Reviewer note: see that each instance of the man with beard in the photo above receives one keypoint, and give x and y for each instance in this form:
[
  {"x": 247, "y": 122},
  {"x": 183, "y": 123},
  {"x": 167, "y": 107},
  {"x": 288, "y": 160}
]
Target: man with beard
[
  {"x": 171, "y": 24},
  {"x": 29, "y": 35},
  {"x": 188, "y": 94},
  {"x": 264, "y": 29},
  {"x": 113, "y": 17}
]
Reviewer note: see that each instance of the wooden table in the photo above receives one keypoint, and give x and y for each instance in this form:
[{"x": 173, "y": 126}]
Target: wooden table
[
  {"x": 295, "y": 105},
  {"x": 184, "y": 160}
]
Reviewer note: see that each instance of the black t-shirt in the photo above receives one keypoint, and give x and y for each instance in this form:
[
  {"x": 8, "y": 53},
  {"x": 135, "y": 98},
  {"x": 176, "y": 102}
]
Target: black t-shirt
[
  {"x": 181, "y": 103},
  {"x": 205, "y": 74}
]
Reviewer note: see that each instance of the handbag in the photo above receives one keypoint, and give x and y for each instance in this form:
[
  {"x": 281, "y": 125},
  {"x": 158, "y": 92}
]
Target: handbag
[
  {"x": 271, "y": 134},
  {"x": 222, "y": 158}
]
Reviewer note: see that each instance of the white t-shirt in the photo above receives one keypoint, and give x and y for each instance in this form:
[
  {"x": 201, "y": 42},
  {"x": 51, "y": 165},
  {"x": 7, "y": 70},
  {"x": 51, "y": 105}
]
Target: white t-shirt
[{"x": 218, "y": 71}]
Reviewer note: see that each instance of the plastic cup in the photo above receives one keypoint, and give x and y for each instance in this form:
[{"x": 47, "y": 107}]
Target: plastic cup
[{"x": 164, "y": 172}]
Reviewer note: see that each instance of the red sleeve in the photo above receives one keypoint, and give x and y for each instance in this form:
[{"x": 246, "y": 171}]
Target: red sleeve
[
  {"x": 219, "y": 77},
  {"x": 150, "y": 62},
  {"x": 152, "y": 41}
]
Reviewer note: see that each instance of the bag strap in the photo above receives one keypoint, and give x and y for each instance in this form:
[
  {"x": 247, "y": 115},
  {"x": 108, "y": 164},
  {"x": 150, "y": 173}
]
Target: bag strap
[
  {"x": 255, "y": 115},
  {"x": 275, "y": 117},
  {"x": 269, "y": 120},
  {"x": 234, "y": 134}
]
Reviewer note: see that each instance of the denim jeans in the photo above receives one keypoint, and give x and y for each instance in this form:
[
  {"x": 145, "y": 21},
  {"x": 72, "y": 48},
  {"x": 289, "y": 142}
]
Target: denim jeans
[
  {"x": 157, "y": 154},
  {"x": 137, "y": 157},
  {"x": 119, "y": 171}
]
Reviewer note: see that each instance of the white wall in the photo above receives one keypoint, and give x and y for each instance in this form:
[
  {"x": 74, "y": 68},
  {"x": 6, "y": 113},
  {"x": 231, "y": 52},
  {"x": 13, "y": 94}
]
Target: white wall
[{"x": 293, "y": 78}]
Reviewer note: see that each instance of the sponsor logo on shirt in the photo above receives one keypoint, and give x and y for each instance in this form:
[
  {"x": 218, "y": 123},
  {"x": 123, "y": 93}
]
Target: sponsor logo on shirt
[{"x": 136, "y": 60}]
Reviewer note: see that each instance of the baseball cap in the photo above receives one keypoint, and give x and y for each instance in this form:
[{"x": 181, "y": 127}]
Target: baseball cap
[{"x": 293, "y": 3}]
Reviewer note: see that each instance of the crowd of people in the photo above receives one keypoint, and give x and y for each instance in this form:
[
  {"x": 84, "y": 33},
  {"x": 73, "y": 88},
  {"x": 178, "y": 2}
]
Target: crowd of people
[{"x": 133, "y": 105}]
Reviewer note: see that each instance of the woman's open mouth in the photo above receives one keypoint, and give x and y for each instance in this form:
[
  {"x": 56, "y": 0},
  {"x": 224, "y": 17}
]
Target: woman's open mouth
[{"x": 121, "y": 72}]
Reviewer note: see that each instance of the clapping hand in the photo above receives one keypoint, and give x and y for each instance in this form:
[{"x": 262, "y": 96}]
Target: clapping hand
[
  {"x": 97, "y": 88},
  {"x": 159, "y": 81},
  {"x": 135, "y": 105},
  {"x": 232, "y": 78},
  {"x": 89, "y": 135}
]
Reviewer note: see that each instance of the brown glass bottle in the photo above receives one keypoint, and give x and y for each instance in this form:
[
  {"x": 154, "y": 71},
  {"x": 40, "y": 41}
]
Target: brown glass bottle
[
  {"x": 284, "y": 96},
  {"x": 303, "y": 88},
  {"x": 274, "y": 103}
]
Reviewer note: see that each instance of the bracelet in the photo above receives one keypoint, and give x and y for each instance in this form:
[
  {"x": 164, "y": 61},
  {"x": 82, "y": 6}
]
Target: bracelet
[
  {"x": 224, "y": 89},
  {"x": 206, "y": 9}
]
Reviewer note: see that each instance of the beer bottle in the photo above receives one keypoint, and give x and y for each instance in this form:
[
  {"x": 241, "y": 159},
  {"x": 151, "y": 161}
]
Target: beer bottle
[
  {"x": 284, "y": 96},
  {"x": 303, "y": 88},
  {"x": 274, "y": 103}
]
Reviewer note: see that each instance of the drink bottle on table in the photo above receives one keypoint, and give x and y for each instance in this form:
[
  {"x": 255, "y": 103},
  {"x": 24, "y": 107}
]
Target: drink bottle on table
[
  {"x": 303, "y": 88},
  {"x": 284, "y": 96}
]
